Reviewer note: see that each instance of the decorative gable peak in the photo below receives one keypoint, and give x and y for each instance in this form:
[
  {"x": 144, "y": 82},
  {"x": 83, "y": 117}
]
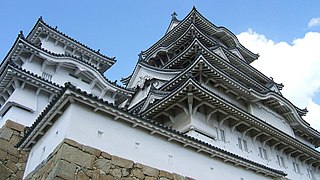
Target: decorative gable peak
[
  {"x": 57, "y": 42},
  {"x": 174, "y": 22}
]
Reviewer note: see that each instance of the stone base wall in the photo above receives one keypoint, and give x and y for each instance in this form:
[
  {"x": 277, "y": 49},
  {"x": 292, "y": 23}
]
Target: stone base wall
[
  {"x": 12, "y": 161},
  {"x": 71, "y": 160}
]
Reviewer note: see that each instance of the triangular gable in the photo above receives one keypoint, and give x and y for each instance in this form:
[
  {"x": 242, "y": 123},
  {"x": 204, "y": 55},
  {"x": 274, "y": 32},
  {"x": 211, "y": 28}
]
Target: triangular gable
[
  {"x": 194, "y": 17},
  {"x": 102, "y": 62},
  {"x": 145, "y": 72}
]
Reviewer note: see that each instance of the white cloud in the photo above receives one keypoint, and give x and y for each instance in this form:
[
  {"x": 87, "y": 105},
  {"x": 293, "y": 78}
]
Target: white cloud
[
  {"x": 296, "y": 65},
  {"x": 314, "y": 22}
]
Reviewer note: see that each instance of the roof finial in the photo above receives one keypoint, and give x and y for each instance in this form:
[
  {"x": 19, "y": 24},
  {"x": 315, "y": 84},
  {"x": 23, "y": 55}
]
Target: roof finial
[
  {"x": 40, "y": 18},
  {"x": 174, "y": 15},
  {"x": 140, "y": 56},
  {"x": 21, "y": 34}
]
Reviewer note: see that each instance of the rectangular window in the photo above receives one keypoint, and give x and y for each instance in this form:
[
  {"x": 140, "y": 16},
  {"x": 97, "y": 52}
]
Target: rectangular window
[
  {"x": 263, "y": 153},
  {"x": 260, "y": 152},
  {"x": 310, "y": 173},
  {"x": 280, "y": 161},
  {"x": 296, "y": 167},
  {"x": 245, "y": 146},
  {"x": 221, "y": 135},
  {"x": 239, "y": 143},
  {"x": 46, "y": 76},
  {"x": 242, "y": 144}
]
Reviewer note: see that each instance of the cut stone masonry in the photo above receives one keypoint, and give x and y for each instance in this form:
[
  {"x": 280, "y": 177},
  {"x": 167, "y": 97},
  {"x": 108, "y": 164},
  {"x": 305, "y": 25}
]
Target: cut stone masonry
[
  {"x": 71, "y": 160},
  {"x": 12, "y": 161}
]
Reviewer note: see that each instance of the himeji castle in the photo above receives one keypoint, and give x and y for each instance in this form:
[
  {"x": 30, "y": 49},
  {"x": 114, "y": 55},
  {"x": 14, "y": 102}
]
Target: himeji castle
[{"x": 193, "y": 108}]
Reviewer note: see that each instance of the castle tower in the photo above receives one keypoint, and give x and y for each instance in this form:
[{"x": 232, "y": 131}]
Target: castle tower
[{"x": 193, "y": 107}]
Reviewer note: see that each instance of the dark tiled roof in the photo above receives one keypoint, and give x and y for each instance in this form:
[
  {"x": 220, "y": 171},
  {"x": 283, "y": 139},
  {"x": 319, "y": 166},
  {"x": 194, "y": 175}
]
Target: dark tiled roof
[
  {"x": 4, "y": 62},
  {"x": 40, "y": 20}
]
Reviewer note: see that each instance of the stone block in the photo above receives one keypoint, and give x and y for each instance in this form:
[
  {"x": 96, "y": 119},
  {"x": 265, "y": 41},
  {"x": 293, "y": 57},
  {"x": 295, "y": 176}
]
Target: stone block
[
  {"x": 9, "y": 148},
  {"x": 105, "y": 155},
  {"x": 64, "y": 170},
  {"x": 150, "y": 171},
  {"x": 87, "y": 172},
  {"x": 12, "y": 159},
  {"x": 82, "y": 176},
  {"x": 4, "y": 172},
  {"x": 13, "y": 177},
  {"x": 121, "y": 162},
  {"x": 6, "y": 134},
  {"x": 72, "y": 143},
  {"x": 23, "y": 158},
  {"x": 116, "y": 173},
  {"x": 125, "y": 172},
  {"x": 150, "y": 178},
  {"x": 137, "y": 173},
  {"x": 91, "y": 150},
  {"x": 102, "y": 164},
  {"x": 21, "y": 166},
  {"x": 12, "y": 166},
  {"x": 107, "y": 177},
  {"x": 138, "y": 165},
  {"x": 15, "y": 126},
  {"x": 177, "y": 177},
  {"x": 128, "y": 178},
  {"x": 20, "y": 173},
  {"x": 163, "y": 178},
  {"x": 165, "y": 174},
  {"x": 3, "y": 155},
  {"x": 58, "y": 178},
  {"x": 15, "y": 139},
  {"x": 95, "y": 175},
  {"x": 75, "y": 155}
]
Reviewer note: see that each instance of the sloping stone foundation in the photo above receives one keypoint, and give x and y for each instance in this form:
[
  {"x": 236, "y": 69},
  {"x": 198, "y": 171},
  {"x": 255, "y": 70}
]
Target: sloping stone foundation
[
  {"x": 12, "y": 161},
  {"x": 71, "y": 160}
]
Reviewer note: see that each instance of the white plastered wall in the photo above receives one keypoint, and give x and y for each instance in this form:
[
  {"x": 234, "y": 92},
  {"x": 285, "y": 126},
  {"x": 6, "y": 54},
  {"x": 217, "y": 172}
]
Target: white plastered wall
[{"x": 121, "y": 139}]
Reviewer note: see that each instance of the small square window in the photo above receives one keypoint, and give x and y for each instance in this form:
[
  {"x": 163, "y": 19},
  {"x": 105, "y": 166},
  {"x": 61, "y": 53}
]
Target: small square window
[
  {"x": 280, "y": 160},
  {"x": 296, "y": 167},
  {"x": 221, "y": 135}
]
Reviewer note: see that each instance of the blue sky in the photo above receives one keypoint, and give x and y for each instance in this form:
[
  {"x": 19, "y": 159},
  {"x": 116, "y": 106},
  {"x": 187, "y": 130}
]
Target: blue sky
[{"x": 124, "y": 28}]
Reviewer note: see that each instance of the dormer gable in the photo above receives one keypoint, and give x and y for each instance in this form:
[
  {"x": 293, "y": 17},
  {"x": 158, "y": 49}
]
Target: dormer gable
[{"x": 57, "y": 42}]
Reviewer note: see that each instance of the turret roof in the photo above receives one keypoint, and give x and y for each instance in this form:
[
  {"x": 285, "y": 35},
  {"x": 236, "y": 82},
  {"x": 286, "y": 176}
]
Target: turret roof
[
  {"x": 194, "y": 17},
  {"x": 21, "y": 41},
  {"x": 41, "y": 26}
]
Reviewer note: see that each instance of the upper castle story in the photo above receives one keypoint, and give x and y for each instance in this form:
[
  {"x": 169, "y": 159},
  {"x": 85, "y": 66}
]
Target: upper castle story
[
  {"x": 37, "y": 67},
  {"x": 195, "y": 50}
]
